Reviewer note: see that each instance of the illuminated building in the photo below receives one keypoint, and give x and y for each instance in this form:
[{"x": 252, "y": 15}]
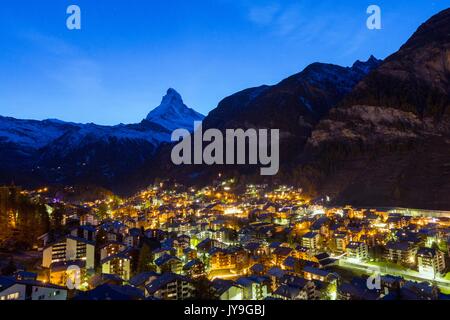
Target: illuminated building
[
  {"x": 221, "y": 259},
  {"x": 313, "y": 273},
  {"x": 110, "y": 249},
  {"x": 310, "y": 240},
  {"x": 254, "y": 287},
  {"x": 133, "y": 238},
  {"x": 189, "y": 254},
  {"x": 194, "y": 269},
  {"x": 86, "y": 232},
  {"x": 14, "y": 289},
  {"x": 170, "y": 286},
  {"x": 70, "y": 248},
  {"x": 401, "y": 252},
  {"x": 430, "y": 261},
  {"x": 63, "y": 271},
  {"x": 396, "y": 221},
  {"x": 88, "y": 219},
  {"x": 296, "y": 288},
  {"x": 191, "y": 234},
  {"x": 228, "y": 290},
  {"x": 169, "y": 263},
  {"x": 358, "y": 251},
  {"x": 281, "y": 253},
  {"x": 206, "y": 245},
  {"x": 341, "y": 242},
  {"x": 303, "y": 253},
  {"x": 118, "y": 264}
]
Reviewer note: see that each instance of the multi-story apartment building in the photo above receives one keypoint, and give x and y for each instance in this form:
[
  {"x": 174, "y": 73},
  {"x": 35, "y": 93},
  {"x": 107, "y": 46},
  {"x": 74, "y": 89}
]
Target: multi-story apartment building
[
  {"x": 170, "y": 286},
  {"x": 401, "y": 252},
  {"x": 341, "y": 241},
  {"x": 12, "y": 288},
  {"x": 430, "y": 261},
  {"x": 70, "y": 248},
  {"x": 110, "y": 249},
  {"x": 358, "y": 251},
  {"x": 311, "y": 240},
  {"x": 169, "y": 263},
  {"x": 118, "y": 264}
]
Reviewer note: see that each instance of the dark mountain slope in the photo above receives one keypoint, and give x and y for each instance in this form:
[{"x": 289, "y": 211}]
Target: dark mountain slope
[
  {"x": 417, "y": 77},
  {"x": 388, "y": 143},
  {"x": 295, "y": 105}
]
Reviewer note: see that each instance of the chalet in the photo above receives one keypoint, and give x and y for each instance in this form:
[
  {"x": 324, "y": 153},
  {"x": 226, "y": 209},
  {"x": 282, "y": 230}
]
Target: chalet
[
  {"x": 169, "y": 263},
  {"x": 170, "y": 286},
  {"x": 12, "y": 288}
]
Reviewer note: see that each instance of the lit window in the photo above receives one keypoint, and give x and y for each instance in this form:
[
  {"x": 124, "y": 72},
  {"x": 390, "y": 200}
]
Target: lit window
[{"x": 13, "y": 296}]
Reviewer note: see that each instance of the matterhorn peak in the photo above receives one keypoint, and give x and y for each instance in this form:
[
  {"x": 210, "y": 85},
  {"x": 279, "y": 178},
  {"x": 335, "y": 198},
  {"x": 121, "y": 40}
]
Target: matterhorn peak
[
  {"x": 172, "y": 97},
  {"x": 172, "y": 113},
  {"x": 171, "y": 102}
]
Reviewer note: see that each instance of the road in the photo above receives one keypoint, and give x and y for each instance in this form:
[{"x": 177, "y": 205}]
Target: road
[{"x": 406, "y": 274}]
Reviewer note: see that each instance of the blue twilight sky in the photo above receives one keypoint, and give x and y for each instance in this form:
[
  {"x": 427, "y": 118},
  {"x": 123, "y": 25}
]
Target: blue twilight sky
[{"x": 116, "y": 69}]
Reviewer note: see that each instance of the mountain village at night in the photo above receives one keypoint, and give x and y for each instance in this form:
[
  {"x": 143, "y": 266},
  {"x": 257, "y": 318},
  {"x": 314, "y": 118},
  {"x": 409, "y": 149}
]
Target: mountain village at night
[
  {"x": 348, "y": 199},
  {"x": 177, "y": 243}
]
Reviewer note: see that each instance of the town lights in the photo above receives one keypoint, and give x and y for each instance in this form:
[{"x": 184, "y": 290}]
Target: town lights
[{"x": 232, "y": 211}]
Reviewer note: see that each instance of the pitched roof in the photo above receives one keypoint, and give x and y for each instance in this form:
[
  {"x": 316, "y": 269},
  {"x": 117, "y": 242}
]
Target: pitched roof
[
  {"x": 310, "y": 235},
  {"x": 401, "y": 246},
  {"x": 317, "y": 271},
  {"x": 257, "y": 268},
  {"x": 191, "y": 264},
  {"x": 121, "y": 255},
  {"x": 141, "y": 278},
  {"x": 163, "y": 280},
  {"x": 164, "y": 259},
  {"x": 221, "y": 285},
  {"x": 322, "y": 256},
  {"x": 112, "y": 292},
  {"x": 63, "y": 265},
  {"x": 276, "y": 272},
  {"x": 430, "y": 252},
  {"x": 282, "y": 251},
  {"x": 6, "y": 282},
  {"x": 294, "y": 281},
  {"x": 249, "y": 280},
  {"x": 288, "y": 291}
]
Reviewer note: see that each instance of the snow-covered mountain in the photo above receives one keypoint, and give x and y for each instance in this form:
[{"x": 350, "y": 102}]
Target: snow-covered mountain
[
  {"x": 156, "y": 128},
  {"x": 173, "y": 114},
  {"x": 56, "y": 151},
  {"x": 31, "y": 133}
]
